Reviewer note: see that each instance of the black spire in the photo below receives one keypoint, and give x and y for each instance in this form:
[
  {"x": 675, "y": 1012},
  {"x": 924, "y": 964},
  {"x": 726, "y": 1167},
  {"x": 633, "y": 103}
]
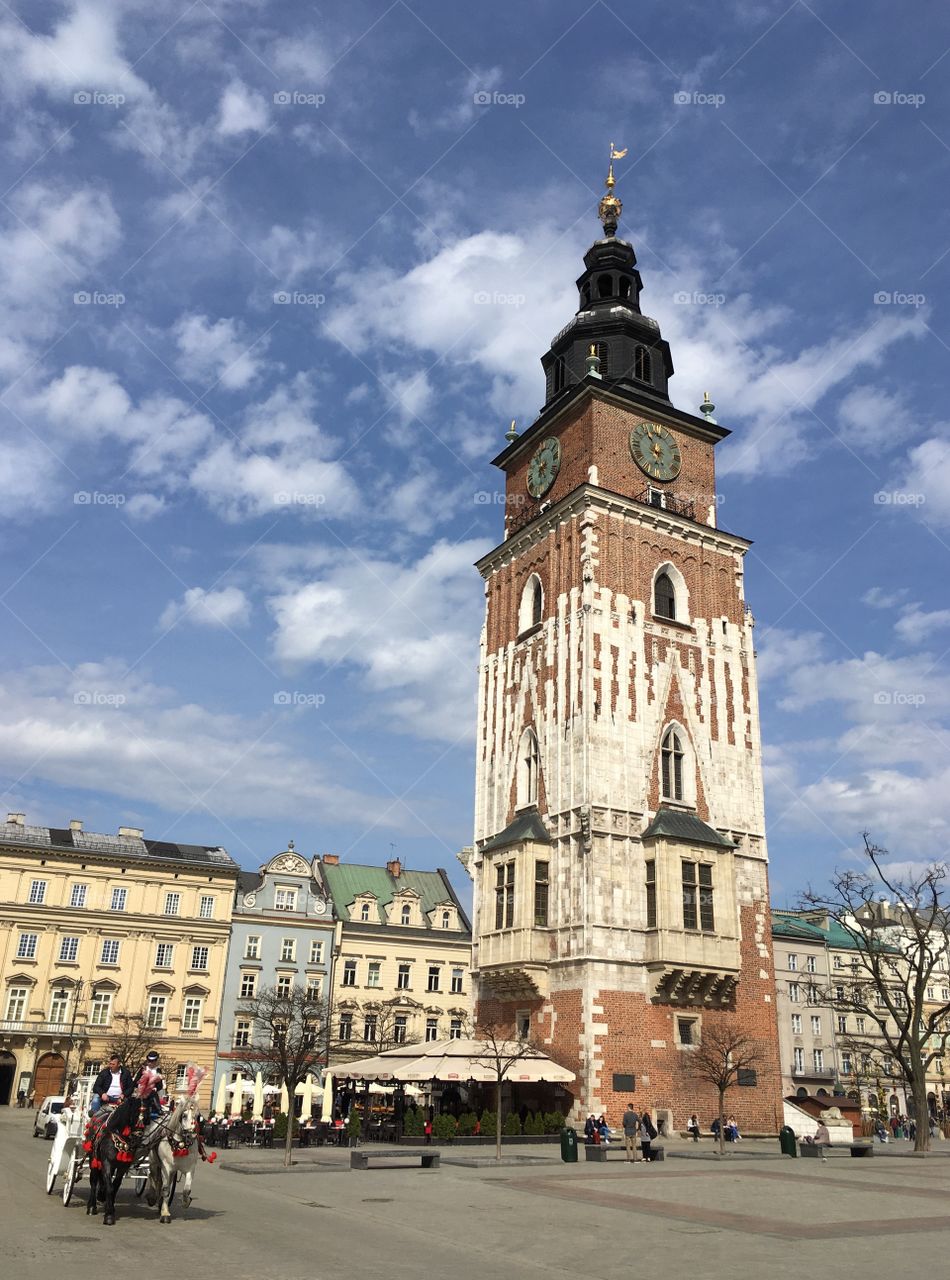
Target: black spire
[{"x": 609, "y": 336}]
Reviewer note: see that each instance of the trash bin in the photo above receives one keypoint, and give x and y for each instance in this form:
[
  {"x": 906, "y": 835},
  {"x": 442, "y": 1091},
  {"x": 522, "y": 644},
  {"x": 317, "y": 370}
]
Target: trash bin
[
  {"x": 786, "y": 1140},
  {"x": 569, "y": 1146}
]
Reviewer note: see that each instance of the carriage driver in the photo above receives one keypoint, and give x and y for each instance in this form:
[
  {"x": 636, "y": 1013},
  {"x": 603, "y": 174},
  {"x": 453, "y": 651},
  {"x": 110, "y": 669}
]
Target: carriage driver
[
  {"x": 151, "y": 1103},
  {"x": 112, "y": 1084}
]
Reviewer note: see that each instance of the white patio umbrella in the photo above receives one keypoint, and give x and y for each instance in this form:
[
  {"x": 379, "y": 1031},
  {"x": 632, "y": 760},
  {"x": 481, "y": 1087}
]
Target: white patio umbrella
[
  {"x": 284, "y": 1100},
  {"x": 258, "y": 1096},
  {"x": 326, "y": 1106},
  {"x": 461, "y": 1060},
  {"x": 237, "y": 1096},
  {"x": 307, "y": 1106},
  {"x": 221, "y": 1097}
]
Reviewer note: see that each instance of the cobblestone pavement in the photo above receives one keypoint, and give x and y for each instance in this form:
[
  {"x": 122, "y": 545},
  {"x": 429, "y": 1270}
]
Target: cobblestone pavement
[{"x": 738, "y": 1217}]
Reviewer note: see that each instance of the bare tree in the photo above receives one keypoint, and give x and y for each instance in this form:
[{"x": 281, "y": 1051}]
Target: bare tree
[
  {"x": 895, "y": 918},
  {"x": 723, "y": 1055},
  {"x": 288, "y": 1041},
  {"x": 500, "y": 1054},
  {"x": 131, "y": 1038}
]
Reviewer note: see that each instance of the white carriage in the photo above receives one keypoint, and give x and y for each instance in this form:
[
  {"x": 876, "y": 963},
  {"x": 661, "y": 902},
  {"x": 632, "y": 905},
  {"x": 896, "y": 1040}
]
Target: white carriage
[{"x": 67, "y": 1158}]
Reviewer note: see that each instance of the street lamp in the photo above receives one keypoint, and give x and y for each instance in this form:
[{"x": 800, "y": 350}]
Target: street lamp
[{"x": 62, "y": 995}]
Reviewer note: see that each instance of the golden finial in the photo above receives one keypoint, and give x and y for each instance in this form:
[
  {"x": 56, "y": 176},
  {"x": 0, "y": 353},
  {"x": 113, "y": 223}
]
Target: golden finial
[
  {"x": 610, "y": 206},
  {"x": 511, "y": 433}
]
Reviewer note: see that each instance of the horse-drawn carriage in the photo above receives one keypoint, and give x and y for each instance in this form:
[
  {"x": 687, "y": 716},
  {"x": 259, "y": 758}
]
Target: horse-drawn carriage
[{"x": 68, "y": 1159}]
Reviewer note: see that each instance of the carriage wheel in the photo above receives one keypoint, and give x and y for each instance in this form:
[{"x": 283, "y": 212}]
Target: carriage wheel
[
  {"x": 141, "y": 1182},
  {"x": 72, "y": 1177},
  {"x": 50, "y": 1178}
]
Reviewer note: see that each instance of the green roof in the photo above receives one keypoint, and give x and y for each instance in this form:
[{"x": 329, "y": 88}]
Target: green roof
[
  {"x": 526, "y": 826},
  {"x": 347, "y": 879},
  {"x": 674, "y": 825},
  {"x": 789, "y": 924}
]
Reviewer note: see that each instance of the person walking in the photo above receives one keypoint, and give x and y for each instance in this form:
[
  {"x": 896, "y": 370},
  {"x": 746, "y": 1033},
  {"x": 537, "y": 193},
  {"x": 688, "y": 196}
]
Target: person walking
[
  {"x": 693, "y": 1127},
  {"x": 631, "y": 1133},
  {"x": 647, "y": 1134},
  {"x": 822, "y": 1138}
]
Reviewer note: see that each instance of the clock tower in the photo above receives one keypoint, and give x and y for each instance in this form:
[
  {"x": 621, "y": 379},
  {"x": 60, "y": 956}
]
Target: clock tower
[{"x": 620, "y": 870}]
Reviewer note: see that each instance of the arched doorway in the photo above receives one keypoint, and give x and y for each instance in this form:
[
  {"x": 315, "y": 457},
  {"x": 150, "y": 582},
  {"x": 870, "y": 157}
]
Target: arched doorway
[
  {"x": 49, "y": 1078},
  {"x": 7, "y": 1072}
]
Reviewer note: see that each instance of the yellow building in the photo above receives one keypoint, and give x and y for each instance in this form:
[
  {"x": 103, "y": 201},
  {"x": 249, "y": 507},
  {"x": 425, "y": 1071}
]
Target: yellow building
[
  {"x": 403, "y": 972},
  {"x": 108, "y": 940}
]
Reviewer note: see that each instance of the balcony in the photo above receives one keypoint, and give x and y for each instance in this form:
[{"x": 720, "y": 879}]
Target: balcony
[
  {"x": 39, "y": 1027},
  {"x": 812, "y": 1073},
  {"x": 664, "y": 501}
]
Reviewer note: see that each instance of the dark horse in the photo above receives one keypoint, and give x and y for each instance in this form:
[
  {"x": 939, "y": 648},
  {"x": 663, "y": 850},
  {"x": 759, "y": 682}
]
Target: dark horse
[{"x": 118, "y": 1143}]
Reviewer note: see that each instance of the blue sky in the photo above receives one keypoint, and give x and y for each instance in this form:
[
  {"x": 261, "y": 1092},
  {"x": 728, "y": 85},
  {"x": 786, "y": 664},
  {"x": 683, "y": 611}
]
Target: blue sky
[{"x": 274, "y": 279}]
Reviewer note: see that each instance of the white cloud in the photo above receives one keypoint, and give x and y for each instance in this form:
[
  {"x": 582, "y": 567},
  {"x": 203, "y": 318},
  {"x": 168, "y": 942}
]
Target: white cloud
[
  {"x": 144, "y": 506},
  {"x": 883, "y": 597},
  {"x": 872, "y": 419},
  {"x": 411, "y": 395},
  {"x": 466, "y": 108},
  {"x": 917, "y": 625},
  {"x": 81, "y": 54},
  {"x": 241, "y": 111},
  {"x": 410, "y": 628},
  {"x": 228, "y": 607},
  {"x": 926, "y": 477},
  {"x": 218, "y": 350}
]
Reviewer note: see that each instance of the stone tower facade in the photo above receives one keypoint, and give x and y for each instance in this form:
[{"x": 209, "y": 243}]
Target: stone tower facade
[{"x": 621, "y": 903}]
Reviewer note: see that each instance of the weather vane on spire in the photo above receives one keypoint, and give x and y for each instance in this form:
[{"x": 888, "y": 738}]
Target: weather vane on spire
[{"x": 611, "y": 206}]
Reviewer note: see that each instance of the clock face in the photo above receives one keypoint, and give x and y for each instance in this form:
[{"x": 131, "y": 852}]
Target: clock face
[
  {"x": 544, "y": 467},
  {"x": 655, "y": 451}
]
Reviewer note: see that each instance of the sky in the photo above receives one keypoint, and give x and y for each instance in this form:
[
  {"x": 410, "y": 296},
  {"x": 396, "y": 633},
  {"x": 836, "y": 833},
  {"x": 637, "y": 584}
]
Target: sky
[{"x": 274, "y": 279}]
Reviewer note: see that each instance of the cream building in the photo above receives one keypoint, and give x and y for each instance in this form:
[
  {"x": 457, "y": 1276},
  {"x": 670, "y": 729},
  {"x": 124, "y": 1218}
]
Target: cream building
[
  {"x": 100, "y": 934},
  {"x": 403, "y": 972}
]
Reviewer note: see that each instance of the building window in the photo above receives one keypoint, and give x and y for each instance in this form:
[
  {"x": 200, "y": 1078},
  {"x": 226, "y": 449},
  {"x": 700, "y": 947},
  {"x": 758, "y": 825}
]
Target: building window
[
  {"x": 155, "y": 1014},
  {"x": 285, "y": 899},
  {"x": 541, "y": 894},
  {"x": 837, "y": 962},
  {"x": 374, "y": 974},
  {"x": 110, "y": 951},
  {"x": 164, "y": 955},
  {"x": 315, "y": 986},
  {"x": 68, "y": 950},
  {"x": 172, "y": 904},
  {"x": 100, "y": 1010},
  {"x": 118, "y": 901},
  {"x": 16, "y": 1003},
  {"x": 818, "y": 1057},
  {"x": 403, "y": 977},
  {"x": 37, "y": 892},
  {"x": 671, "y": 761},
  {"x": 796, "y": 1024},
  {"x": 248, "y": 986},
  {"x": 793, "y": 962},
  {"x": 686, "y": 1031},
  {"x": 531, "y": 607},
  {"x": 252, "y": 948},
  {"x": 59, "y": 1007},
  {"x": 284, "y": 986},
  {"x": 199, "y": 958},
  {"x": 815, "y": 1024},
  {"x": 316, "y": 953},
  {"x": 349, "y": 973},
  {"x": 346, "y": 1026},
  {"x": 432, "y": 1029},
  {"x": 859, "y": 1023},
  {"x": 206, "y": 906},
  {"x": 455, "y": 1029},
  {"x": 288, "y": 950},
  {"x": 560, "y": 369},
  {"x": 812, "y": 994},
  {"x": 504, "y": 895},
  {"x": 191, "y": 1017},
  {"x": 400, "y": 1026},
  {"x": 369, "y": 1028},
  {"x": 664, "y": 597},
  {"x": 446, "y": 919},
  {"x": 839, "y": 993},
  {"x": 77, "y": 895},
  {"x": 529, "y": 766},
  {"x": 642, "y": 365},
  {"x": 798, "y": 1060},
  {"x": 842, "y": 1025},
  {"x": 406, "y": 913},
  {"x": 698, "y": 897},
  {"x": 651, "y": 894},
  {"x": 602, "y": 351},
  {"x": 432, "y": 982},
  {"x": 847, "y": 1064},
  {"x": 364, "y": 912},
  {"x": 458, "y": 976},
  {"x": 810, "y": 966},
  {"x": 794, "y": 992}
]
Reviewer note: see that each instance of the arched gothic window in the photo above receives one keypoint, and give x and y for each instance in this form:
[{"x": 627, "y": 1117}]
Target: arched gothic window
[
  {"x": 605, "y": 286},
  {"x": 671, "y": 762},
  {"x": 529, "y": 766},
  {"x": 531, "y": 609},
  {"x": 664, "y": 597},
  {"x": 625, "y": 285}
]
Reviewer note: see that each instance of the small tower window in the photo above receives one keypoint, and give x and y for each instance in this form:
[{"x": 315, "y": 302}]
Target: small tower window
[
  {"x": 602, "y": 357},
  {"x": 664, "y": 597},
  {"x": 560, "y": 375},
  {"x": 642, "y": 365},
  {"x": 671, "y": 760},
  {"x": 605, "y": 286},
  {"x": 532, "y": 604},
  {"x": 529, "y": 766},
  {"x": 625, "y": 286}
]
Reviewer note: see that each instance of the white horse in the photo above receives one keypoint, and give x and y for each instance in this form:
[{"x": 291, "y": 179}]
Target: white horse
[{"x": 166, "y": 1170}]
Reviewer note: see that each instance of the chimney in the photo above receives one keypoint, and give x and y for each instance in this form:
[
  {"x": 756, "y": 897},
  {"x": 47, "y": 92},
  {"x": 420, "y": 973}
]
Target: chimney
[
  {"x": 134, "y": 833},
  {"x": 16, "y": 819},
  {"x": 75, "y": 824},
  {"x": 331, "y": 859},
  {"x": 394, "y": 868}
]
